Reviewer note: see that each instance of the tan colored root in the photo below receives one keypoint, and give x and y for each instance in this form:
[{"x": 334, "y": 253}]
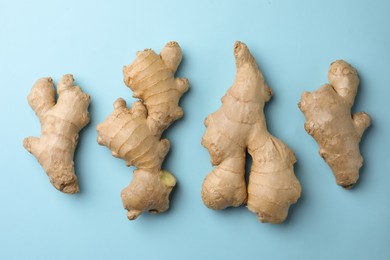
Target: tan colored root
[
  {"x": 134, "y": 134},
  {"x": 239, "y": 126},
  {"x": 60, "y": 125},
  {"x": 329, "y": 121}
]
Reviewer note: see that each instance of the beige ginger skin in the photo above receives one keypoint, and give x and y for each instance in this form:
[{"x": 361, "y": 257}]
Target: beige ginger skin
[
  {"x": 61, "y": 122},
  {"x": 134, "y": 134},
  {"x": 329, "y": 121},
  {"x": 239, "y": 126}
]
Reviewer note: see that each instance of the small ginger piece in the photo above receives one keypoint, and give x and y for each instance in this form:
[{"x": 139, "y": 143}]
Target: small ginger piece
[
  {"x": 329, "y": 121},
  {"x": 61, "y": 123},
  {"x": 134, "y": 134},
  {"x": 239, "y": 126}
]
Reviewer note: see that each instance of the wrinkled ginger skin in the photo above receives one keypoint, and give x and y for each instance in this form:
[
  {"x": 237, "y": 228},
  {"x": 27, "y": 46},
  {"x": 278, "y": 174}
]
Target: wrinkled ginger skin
[
  {"x": 60, "y": 126},
  {"x": 236, "y": 127},
  {"x": 329, "y": 121},
  {"x": 134, "y": 134}
]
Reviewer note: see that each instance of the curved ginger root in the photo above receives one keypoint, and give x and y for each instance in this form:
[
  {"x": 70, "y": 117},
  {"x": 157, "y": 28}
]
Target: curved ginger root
[
  {"x": 134, "y": 134},
  {"x": 60, "y": 125},
  {"x": 329, "y": 121},
  {"x": 239, "y": 125}
]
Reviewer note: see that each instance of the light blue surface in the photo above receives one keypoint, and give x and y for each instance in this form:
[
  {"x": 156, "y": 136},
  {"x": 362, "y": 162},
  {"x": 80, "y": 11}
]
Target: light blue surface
[{"x": 293, "y": 41}]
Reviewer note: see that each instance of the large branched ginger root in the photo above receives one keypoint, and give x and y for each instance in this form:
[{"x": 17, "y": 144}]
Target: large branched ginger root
[
  {"x": 134, "y": 134},
  {"x": 329, "y": 121},
  {"x": 61, "y": 122},
  {"x": 239, "y": 126}
]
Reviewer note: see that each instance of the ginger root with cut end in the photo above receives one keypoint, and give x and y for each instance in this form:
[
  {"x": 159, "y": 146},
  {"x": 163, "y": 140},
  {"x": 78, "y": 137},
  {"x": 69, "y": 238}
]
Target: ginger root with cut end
[
  {"x": 329, "y": 121},
  {"x": 236, "y": 127},
  {"x": 134, "y": 134},
  {"x": 60, "y": 126}
]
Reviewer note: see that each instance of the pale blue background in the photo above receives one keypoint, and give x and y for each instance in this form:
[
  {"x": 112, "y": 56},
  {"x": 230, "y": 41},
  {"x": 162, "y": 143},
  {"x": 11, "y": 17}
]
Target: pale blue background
[{"x": 293, "y": 41}]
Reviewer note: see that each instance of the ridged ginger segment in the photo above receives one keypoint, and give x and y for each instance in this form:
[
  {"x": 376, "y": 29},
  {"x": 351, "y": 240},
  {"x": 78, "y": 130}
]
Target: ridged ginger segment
[
  {"x": 329, "y": 121},
  {"x": 134, "y": 134},
  {"x": 61, "y": 122},
  {"x": 239, "y": 126}
]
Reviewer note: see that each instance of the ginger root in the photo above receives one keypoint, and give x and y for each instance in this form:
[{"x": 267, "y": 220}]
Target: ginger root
[
  {"x": 135, "y": 134},
  {"x": 236, "y": 127},
  {"x": 329, "y": 121},
  {"x": 60, "y": 125}
]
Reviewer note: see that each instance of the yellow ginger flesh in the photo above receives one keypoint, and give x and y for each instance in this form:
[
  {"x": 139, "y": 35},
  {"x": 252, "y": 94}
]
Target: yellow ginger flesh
[
  {"x": 61, "y": 122},
  {"x": 329, "y": 121},
  {"x": 239, "y": 126},
  {"x": 134, "y": 134}
]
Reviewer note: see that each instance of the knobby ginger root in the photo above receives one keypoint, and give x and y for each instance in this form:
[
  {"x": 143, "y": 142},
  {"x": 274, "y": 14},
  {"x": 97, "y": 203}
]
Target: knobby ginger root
[
  {"x": 329, "y": 121},
  {"x": 60, "y": 125},
  {"x": 238, "y": 126},
  {"x": 134, "y": 134}
]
